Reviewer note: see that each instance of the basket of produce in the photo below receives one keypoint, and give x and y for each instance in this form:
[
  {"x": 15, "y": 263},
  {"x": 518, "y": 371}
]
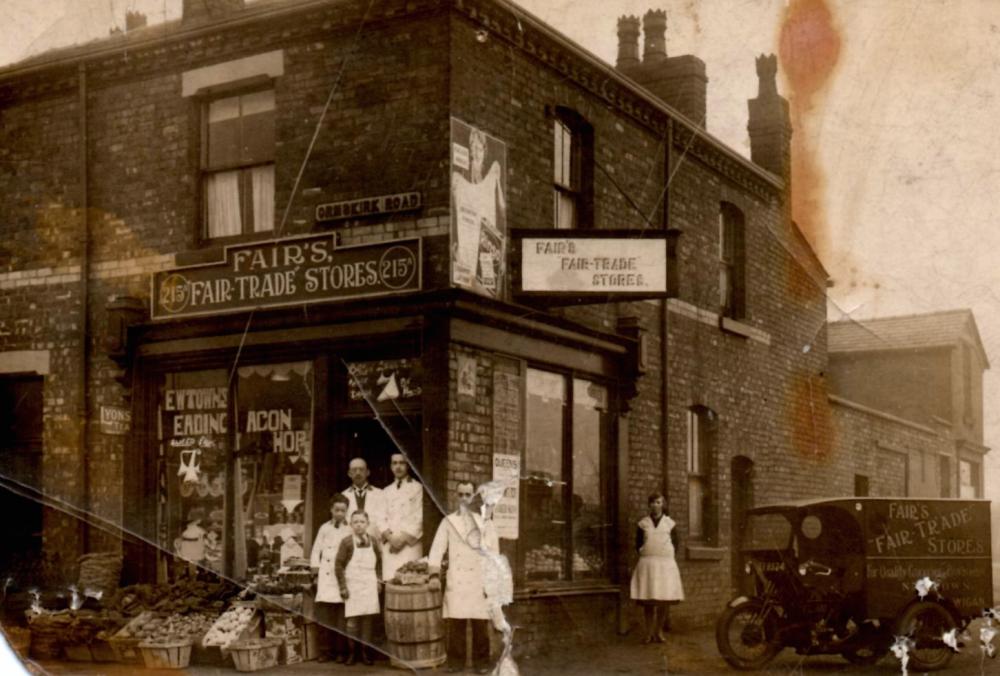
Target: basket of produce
[
  {"x": 166, "y": 653},
  {"x": 48, "y": 630},
  {"x": 412, "y": 573},
  {"x": 100, "y": 572},
  {"x": 125, "y": 643},
  {"x": 255, "y": 654},
  {"x": 240, "y": 621}
]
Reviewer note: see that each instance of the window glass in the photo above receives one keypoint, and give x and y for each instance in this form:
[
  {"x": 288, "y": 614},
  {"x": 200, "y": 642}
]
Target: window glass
[
  {"x": 240, "y": 143},
  {"x": 274, "y": 424},
  {"x": 967, "y": 479},
  {"x": 193, "y": 433},
  {"x": 544, "y": 518},
  {"x": 590, "y": 519}
]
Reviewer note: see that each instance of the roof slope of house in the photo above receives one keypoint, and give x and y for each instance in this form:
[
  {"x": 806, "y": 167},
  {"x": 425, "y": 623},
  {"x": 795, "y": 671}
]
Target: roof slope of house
[{"x": 908, "y": 332}]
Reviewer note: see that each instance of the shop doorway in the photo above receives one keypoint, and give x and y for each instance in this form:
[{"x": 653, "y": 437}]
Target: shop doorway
[{"x": 20, "y": 471}]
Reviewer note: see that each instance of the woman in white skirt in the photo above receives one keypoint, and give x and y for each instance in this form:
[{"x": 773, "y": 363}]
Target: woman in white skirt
[{"x": 656, "y": 581}]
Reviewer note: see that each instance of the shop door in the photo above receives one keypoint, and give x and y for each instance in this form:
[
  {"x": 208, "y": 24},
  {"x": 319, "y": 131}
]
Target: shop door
[
  {"x": 375, "y": 441},
  {"x": 20, "y": 472}
]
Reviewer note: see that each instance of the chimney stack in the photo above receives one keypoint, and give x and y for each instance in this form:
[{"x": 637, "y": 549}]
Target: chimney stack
[
  {"x": 204, "y": 10},
  {"x": 134, "y": 20},
  {"x": 628, "y": 42},
  {"x": 654, "y": 29},
  {"x": 769, "y": 123},
  {"x": 679, "y": 81}
]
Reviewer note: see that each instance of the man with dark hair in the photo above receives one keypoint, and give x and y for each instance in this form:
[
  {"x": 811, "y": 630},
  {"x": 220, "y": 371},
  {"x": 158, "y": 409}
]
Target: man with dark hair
[{"x": 465, "y": 537}]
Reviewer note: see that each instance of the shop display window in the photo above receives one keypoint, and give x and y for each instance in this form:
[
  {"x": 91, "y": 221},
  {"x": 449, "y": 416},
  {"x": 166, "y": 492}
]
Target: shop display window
[
  {"x": 234, "y": 470},
  {"x": 565, "y": 506},
  {"x": 194, "y": 448}
]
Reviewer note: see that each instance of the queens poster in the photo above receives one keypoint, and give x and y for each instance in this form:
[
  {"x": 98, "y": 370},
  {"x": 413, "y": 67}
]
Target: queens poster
[{"x": 478, "y": 210}]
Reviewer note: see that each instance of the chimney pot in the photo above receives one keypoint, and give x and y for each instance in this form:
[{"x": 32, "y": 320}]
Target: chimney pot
[
  {"x": 654, "y": 28},
  {"x": 628, "y": 41},
  {"x": 193, "y": 10}
]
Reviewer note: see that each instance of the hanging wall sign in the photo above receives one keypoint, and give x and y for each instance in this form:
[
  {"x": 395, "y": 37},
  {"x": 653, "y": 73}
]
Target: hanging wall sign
[
  {"x": 596, "y": 263},
  {"x": 368, "y": 206},
  {"x": 285, "y": 272}
]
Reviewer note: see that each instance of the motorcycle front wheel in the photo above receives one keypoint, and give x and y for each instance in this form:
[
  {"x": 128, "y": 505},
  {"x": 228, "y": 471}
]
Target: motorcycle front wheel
[{"x": 745, "y": 637}]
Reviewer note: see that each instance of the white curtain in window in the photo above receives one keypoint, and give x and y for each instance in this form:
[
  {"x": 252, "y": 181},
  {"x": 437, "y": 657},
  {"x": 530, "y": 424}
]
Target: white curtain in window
[
  {"x": 263, "y": 198},
  {"x": 223, "y": 204}
]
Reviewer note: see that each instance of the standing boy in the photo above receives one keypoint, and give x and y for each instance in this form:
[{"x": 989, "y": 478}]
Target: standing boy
[
  {"x": 359, "y": 574},
  {"x": 329, "y": 603}
]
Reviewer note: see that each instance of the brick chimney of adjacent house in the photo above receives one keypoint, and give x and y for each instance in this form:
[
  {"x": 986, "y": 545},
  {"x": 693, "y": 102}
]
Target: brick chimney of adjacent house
[
  {"x": 200, "y": 10},
  {"x": 134, "y": 20},
  {"x": 680, "y": 81},
  {"x": 769, "y": 123},
  {"x": 628, "y": 43}
]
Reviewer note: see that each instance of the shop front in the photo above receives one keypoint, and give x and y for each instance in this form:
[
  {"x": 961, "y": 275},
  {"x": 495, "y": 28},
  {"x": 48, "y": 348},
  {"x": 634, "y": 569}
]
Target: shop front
[{"x": 246, "y": 418}]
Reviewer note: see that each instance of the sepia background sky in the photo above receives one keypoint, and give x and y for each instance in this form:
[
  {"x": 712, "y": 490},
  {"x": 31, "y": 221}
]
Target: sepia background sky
[{"x": 897, "y": 129}]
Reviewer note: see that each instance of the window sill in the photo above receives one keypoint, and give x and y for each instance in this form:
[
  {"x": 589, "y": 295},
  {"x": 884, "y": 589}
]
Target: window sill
[
  {"x": 705, "y": 553},
  {"x": 568, "y": 590},
  {"x": 213, "y": 250}
]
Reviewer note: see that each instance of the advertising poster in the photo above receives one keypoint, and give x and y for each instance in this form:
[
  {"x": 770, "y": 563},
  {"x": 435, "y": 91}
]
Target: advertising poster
[{"x": 478, "y": 210}]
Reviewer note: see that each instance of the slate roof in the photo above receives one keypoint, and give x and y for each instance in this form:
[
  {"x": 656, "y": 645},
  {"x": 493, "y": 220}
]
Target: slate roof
[{"x": 909, "y": 332}]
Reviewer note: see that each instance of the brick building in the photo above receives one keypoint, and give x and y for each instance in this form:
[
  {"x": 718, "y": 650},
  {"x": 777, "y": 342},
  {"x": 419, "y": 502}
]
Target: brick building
[
  {"x": 925, "y": 370},
  {"x": 229, "y": 238}
]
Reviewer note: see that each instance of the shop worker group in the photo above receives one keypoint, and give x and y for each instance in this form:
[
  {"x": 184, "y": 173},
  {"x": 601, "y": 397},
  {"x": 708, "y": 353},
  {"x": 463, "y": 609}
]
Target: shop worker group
[{"x": 372, "y": 532}]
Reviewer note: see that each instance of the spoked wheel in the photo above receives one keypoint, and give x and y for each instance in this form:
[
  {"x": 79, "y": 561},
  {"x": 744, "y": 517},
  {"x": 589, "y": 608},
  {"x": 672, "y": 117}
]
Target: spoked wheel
[
  {"x": 926, "y": 623},
  {"x": 744, "y": 636}
]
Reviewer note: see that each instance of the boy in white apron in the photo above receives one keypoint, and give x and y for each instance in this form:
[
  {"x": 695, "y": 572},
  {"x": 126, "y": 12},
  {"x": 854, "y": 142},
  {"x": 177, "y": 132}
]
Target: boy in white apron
[
  {"x": 329, "y": 603},
  {"x": 359, "y": 574}
]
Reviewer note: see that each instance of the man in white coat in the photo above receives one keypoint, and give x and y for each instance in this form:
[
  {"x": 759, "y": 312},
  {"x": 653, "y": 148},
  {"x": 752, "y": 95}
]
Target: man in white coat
[
  {"x": 463, "y": 535},
  {"x": 362, "y": 496},
  {"x": 404, "y": 518}
]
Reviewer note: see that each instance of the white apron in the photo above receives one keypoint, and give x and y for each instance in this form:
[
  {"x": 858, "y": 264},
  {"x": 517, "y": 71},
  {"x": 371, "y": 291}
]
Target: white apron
[
  {"x": 465, "y": 588},
  {"x": 327, "y": 588},
  {"x": 656, "y": 576},
  {"x": 362, "y": 583}
]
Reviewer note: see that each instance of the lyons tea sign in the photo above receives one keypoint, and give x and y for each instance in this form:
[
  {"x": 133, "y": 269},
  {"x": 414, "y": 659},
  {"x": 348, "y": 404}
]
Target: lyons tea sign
[{"x": 285, "y": 272}]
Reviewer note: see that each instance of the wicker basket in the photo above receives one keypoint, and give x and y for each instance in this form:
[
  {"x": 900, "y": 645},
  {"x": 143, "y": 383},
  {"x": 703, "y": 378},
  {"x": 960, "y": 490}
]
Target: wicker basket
[
  {"x": 166, "y": 654},
  {"x": 255, "y": 654},
  {"x": 100, "y": 571}
]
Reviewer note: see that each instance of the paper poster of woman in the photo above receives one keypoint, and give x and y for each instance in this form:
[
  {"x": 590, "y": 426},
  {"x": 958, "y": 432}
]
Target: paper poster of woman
[{"x": 478, "y": 208}]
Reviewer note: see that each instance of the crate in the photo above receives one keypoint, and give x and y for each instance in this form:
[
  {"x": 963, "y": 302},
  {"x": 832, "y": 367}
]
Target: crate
[
  {"x": 102, "y": 651},
  {"x": 79, "y": 652},
  {"x": 166, "y": 654},
  {"x": 255, "y": 654},
  {"x": 126, "y": 647}
]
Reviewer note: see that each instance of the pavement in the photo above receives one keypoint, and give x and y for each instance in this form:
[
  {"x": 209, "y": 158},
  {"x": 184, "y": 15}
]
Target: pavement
[{"x": 684, "y": 652}]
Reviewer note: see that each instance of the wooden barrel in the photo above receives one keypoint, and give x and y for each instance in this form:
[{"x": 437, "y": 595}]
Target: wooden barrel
[{"x": 414, "y": 626}]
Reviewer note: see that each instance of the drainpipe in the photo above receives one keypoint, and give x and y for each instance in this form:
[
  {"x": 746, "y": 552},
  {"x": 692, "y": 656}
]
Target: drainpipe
[
  {"x": 671, "y": 291},
  {"x": 84, "y": 408}
]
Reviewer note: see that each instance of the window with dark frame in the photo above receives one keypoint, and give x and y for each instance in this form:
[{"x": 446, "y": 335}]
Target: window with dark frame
[
  {"x": 238, "y": 164},
  {"x": 732, "y": 256},
  {"x": 566, "y": 505},
  {"x": 572, "y": 174},
  {"x": 861, "y": 488},
  {"x": 699, "y": 468}
]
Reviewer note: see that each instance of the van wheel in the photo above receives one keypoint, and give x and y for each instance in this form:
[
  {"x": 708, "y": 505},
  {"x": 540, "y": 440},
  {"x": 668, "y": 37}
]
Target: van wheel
[
  {"x": 926, "y": 623},
  {"x": 745, "y": 637}
]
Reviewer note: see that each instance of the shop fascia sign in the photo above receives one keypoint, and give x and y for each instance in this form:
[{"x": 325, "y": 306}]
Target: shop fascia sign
[
  {"x": 609, "y": 264},
  {"x": 368, "y": 206},
  {"x": 287, "y": 272}
]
